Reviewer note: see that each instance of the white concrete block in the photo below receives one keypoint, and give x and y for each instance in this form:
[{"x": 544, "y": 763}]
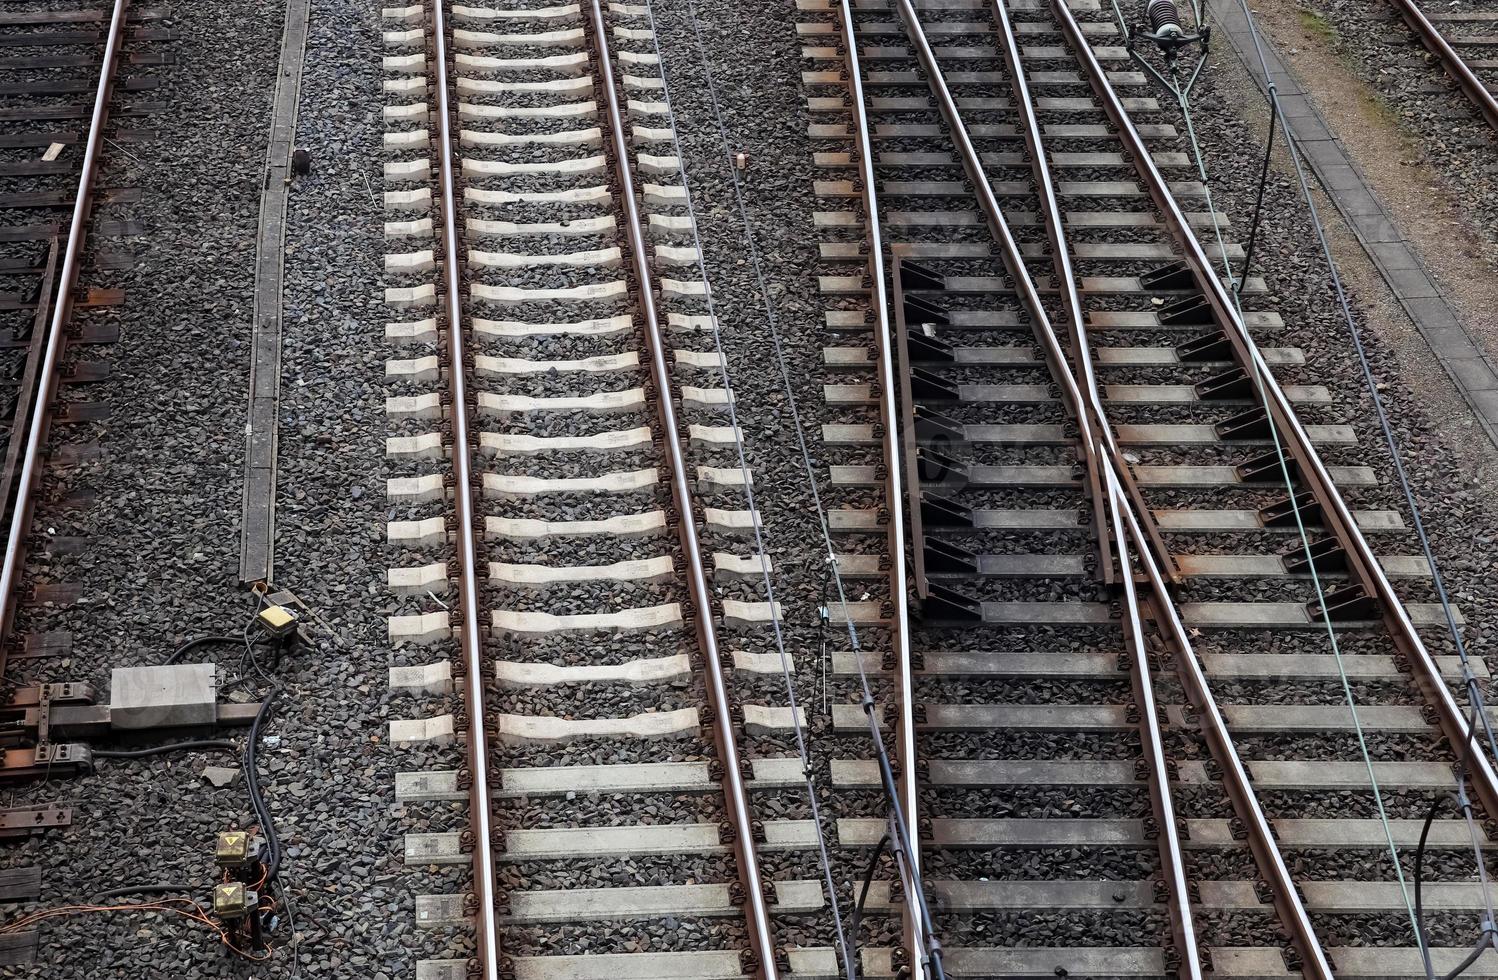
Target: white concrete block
[
  {"x": 423, "y": 489},
  {"x": 426, "y": 368},
  {"x": 436, "y": 731},
  {"x": 416, "y": 228},
  {"x": 406, "y": 64},
  {"x": 409, "y": 139},
  {"x": 722, "y": 477},
  {"x": 518, "y": 485},
  {"x": 406, "y": 263},
  {"x": 413, "y": 331},
  {"x": 434, "y": 678},
  {"x": 419, "y": 580},
  {"x": 165, "y": 696},
  {"x": 421, "y": 628},
  {"x": 416, "y": 199},
  {"x": 657, "y": 724},
  {"x": 405, "y": 39},
  {"x": 406, "y": 297},
  {"x": 426, "y": 445},
  {"x": 406, "y": 112},
  {"x": 738, "y": 613},
  {"x": 710, "y": 398},
  {"x": 423, "y": 406},
  {"x": 408, "y": 171},
  {"x": 424, "y": 533}
]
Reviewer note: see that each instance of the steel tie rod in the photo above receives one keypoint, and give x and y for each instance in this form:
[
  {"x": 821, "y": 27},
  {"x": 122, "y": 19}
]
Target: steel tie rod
[
  {"x": 761, "y": 940},
  {"x": 470, "y": 630},
  {"x": 894, "y": 493},
  {"x": 67, "y": 281},
  {"x": 1363, "y": 565}
]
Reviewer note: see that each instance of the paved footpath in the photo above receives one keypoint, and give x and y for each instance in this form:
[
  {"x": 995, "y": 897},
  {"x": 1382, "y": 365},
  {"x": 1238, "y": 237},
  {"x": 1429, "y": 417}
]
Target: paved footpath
[{"x": 1471, "y": 372}]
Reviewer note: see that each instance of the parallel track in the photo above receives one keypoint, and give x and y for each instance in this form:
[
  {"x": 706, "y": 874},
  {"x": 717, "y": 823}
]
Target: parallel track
[
  {"x": 1464, "y": 41},
  {"x": 605, "y": 786},
  {"x": 63, "y": 72}
]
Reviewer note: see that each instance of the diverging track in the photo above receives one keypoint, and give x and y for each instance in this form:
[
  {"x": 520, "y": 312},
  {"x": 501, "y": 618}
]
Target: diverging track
[{"x": 1082, "y": 401}]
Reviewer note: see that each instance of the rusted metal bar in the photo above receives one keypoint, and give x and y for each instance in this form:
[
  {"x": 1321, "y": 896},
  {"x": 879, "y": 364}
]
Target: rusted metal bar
[
  {"x": 1261, "y": 842},
  {"x": 1362, "y": 565},
  {"x": 30, "y": 378},
  {"x": 1092, "y": 414},
  {"x": 56, "y": 338},
  {"x": 1455, "y": 65},
  {"x": 894, "y": 491},
  {"x": 470, "y": 626},
  {"x": 1168, "y": 841},
  {"x": 756, "y": 915}
]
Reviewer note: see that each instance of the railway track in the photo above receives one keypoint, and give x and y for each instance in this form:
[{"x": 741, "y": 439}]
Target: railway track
[
  {"x": 1048, "y": 716},
  {"x": 1464, "y": 42},
  {"x": 579, "y": 592},
  {"x": 1122, "y": 739},
  {"x": 71, "y": 80}
]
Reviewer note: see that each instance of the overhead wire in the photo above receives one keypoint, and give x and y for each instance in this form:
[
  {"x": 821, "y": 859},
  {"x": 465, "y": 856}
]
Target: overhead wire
[
  {"x": 803, "y": 752},
  {"x": 1468, "y": 677},
  {"x": 1479, "y": 714},
  {"x": 904, "y": 846}
]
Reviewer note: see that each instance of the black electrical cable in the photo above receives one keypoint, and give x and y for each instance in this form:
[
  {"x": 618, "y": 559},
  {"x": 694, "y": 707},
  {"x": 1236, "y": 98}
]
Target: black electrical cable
[
  {"x": 252, "y": 783},
  {"x": 194, "y": 745},
  {"x": 1430, "y": 818},
  {"x": 1253, "y": 229},
  {"x": 201, "y": 641}
]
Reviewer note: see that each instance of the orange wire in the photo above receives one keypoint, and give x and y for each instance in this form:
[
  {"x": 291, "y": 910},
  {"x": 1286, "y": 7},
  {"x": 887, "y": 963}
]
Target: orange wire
[{"x": 196, "y": 915}]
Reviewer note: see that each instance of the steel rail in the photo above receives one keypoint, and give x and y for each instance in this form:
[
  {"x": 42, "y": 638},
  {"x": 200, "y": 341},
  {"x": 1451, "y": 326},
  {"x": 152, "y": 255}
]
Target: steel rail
[
  {"x": 1172, "y": 860},
  {"x": 894, "y": 493},
  {"x": 1261, "y": 841},
  {"x": 1113, "y": 474},
  {"x": 470, "y": 629},
  {"x": 1066, "y": 283},
  {"x": 1109, "y": 501},
  {"x": 56, "y": 340},
  {"x": 1363, "y": 565},
  {"x": 1455, "y": 65},
  {"x": 761, "y": 940}
]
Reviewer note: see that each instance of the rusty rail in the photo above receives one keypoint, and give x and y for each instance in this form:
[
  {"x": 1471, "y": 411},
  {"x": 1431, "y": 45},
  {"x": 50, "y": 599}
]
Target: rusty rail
[
  {"x": 56, "y": 337},
  {"x": 1362, "y": 565},
  {"x": 894, "y": 492},
  {"x": 1436, "y": 43},
  {"x": 1119, "y": 491},
  {"x": 470, "y": 625},
  {"x": 756, "y": 914}
]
